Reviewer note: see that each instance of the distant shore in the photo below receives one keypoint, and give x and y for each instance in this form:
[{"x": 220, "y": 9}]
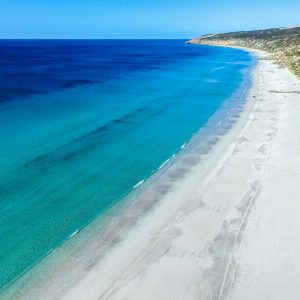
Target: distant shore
[
  {"x": 227, "y": 229},
  {"x": 283, "y": 44}
]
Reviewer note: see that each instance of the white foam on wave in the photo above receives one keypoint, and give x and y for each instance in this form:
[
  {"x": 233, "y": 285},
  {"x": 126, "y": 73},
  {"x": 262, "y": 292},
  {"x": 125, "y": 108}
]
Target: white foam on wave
[
  {"x": 165, "y": 162},
  {"x": 74, "y": 233},
  {"x": 138, "y": 184},
  {"x": 217, "y": 68},
  {"x": 211, "y": 80}
]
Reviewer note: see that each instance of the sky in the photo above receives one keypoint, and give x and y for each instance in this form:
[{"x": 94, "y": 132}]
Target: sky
[{"x": 141, "y": 18}]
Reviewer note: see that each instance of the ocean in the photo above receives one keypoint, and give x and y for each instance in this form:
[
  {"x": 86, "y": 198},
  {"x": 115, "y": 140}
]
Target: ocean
[{"x": 85, "y": 122}]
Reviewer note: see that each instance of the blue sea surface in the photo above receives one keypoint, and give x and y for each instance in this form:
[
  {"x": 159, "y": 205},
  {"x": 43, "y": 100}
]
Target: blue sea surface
[{"x": 84, "y": 121}]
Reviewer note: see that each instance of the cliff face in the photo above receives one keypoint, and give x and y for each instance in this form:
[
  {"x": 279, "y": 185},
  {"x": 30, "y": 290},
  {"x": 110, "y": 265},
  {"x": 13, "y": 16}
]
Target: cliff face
[{"x": 282, "y": 43}]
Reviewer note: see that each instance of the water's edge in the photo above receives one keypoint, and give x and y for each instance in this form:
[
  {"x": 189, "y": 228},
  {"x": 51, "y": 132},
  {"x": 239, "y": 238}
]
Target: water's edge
[{"x": 122, "y": 215}]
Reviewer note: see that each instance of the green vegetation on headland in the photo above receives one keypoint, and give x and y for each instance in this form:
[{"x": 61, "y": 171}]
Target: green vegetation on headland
[{"x": 282, "y": 43}]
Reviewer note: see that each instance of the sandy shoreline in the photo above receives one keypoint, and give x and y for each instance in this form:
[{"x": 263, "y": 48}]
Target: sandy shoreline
[{"x": 228, "y": 229}]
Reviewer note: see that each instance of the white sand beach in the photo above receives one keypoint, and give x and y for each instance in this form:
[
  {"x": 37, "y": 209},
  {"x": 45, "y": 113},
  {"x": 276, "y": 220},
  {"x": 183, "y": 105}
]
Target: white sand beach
[{"x": 229, "y": 228}]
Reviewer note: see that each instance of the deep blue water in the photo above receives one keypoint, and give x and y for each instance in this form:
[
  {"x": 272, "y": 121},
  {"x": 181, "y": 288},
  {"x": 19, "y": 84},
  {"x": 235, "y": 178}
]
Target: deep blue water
[
  {"x": 30, "y": 67},
  {"x": 82, "y": 122}
]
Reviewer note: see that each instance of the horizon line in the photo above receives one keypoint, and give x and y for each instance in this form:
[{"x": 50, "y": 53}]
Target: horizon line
[{"x": 41, "y": 38}]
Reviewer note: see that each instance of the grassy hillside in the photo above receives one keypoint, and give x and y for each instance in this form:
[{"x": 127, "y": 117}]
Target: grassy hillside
[{"x": 282, "y": 43}]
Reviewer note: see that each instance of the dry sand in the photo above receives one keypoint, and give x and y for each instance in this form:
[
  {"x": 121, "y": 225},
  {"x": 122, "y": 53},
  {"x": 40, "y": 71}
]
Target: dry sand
[{"x": 230, "y": 228}]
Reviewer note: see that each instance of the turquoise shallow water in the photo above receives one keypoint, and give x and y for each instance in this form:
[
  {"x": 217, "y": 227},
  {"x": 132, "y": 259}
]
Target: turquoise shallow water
[{"x": 68, "y": 153}]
